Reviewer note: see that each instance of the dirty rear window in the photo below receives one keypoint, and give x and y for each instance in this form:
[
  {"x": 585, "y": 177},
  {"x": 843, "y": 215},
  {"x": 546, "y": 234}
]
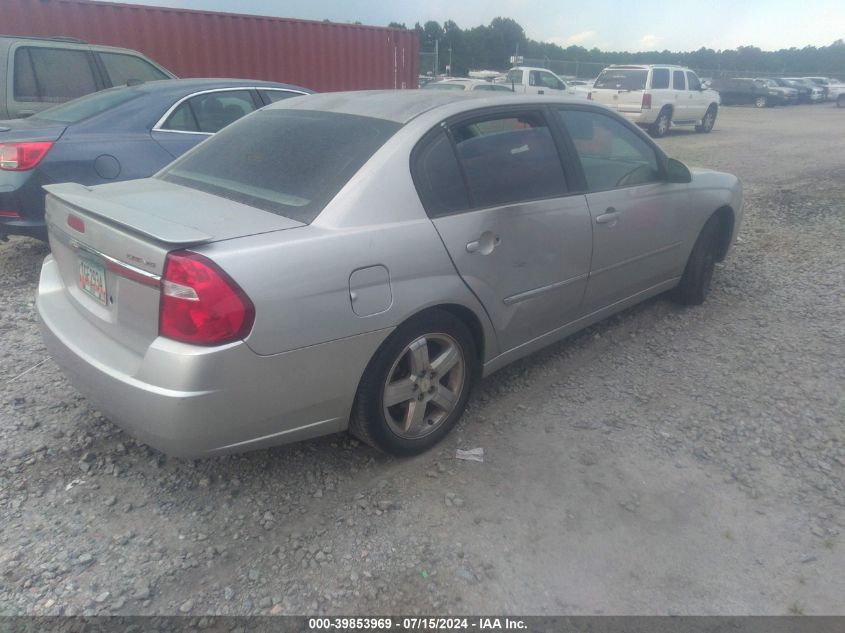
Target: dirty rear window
[
  {"x": 288, "y": 162},
  {"x": 88, "y": 106},
  {"x": 622, "y": 79}
]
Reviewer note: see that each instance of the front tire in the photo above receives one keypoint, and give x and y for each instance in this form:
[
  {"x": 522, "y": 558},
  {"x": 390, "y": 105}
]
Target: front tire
[
  {"x": 661, "y": 125},
  {"x": 840, "y": 101},
  {"x": 761, "y": 102},
  {"x": 708, "y": 121},
  {"x": 416, "y": 386},
  {"x": 698, "y": 274}
]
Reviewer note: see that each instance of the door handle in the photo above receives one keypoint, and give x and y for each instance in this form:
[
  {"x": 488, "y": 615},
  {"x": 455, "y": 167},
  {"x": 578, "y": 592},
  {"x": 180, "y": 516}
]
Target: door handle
[
  {"x": 610, "y": 216},
  {"x": 485, "y": 243},
  {"x": 541, "y": 92}
]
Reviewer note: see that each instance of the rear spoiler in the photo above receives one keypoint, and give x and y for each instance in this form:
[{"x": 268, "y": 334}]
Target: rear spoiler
[{"x": 160, "y": 229}]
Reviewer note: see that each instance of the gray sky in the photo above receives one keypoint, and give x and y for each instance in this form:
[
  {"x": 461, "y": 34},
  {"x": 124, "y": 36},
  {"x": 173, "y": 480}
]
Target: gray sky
[{"x": 607, "y": 24}]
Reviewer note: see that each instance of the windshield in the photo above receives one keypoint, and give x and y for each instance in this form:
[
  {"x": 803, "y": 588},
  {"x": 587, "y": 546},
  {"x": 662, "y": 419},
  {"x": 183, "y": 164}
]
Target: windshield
[
  {"x": 88, "y": 106},
  {"x": 514, "y": 77},
  {"x": 285, "y": 161},
  {"x": 622, "y": 79}
]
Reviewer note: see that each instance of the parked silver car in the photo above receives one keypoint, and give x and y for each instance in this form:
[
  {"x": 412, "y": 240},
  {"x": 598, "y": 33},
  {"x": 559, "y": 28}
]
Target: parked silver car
[{"x": 359, "y": 260}]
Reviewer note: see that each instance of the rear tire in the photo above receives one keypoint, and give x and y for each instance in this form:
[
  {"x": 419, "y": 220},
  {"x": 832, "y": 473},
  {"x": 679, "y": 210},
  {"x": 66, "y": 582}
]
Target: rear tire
[
  {"x": 416, "y": 386},
  {"x": 708, "y": 121},
  {"x": 698, "y": 274},
  {"x": 761, "y": 102},
  {"x": 661, "y": 125},
  {"x": 840, "y": 101}
]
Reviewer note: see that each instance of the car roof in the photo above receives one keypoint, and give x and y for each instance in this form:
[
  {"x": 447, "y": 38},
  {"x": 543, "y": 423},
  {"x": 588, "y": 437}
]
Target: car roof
[
  {"x": 401, "y": 106},
  {"x": 182, "y": 87},
  {"x": 646, "y": 66}
]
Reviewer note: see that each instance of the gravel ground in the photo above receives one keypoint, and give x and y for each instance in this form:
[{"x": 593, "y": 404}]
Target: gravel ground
[{"x": 668, "y": 460}]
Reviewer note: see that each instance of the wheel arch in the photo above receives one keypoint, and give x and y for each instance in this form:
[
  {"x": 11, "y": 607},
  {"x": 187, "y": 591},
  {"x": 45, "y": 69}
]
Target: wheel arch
[{"x": 727, "y": 219}]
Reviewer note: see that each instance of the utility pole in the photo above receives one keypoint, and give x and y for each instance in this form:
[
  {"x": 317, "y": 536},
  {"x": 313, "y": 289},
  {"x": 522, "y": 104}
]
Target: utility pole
[
  {"x": 436, "y": 58},
  {"x": 450, "y": 59}
]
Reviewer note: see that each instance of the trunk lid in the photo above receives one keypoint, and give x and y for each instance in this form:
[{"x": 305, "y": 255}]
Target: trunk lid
[
  {"x": 619, "y": 100},
  {"x": 110, "y": 243},
  {"x": 20, "y": 130}
]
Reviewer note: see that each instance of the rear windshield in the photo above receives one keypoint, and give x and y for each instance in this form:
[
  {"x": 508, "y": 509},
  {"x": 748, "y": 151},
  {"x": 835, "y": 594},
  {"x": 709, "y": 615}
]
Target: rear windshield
[
  {"x": 88, "y": 106},
  {"x": 285, "y": 161},
  {"x": 622, "y": 79}
]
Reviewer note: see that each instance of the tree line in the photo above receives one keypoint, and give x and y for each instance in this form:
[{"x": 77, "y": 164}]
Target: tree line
[{"x": 491, "y": 46}]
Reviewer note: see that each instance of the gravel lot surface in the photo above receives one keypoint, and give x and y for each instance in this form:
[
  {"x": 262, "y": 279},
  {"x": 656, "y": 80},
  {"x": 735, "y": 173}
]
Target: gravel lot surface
[{"x": 667, "y": 460}]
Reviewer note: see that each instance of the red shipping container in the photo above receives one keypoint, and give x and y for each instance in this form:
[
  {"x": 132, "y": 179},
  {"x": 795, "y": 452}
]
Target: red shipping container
[{"x": 323, "y": 56}]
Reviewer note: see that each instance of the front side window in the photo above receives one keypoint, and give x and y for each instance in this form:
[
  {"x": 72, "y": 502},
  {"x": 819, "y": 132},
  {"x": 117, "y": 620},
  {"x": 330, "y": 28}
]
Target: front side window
[
  {"x": 660, "y": 79},
  {"x": 611, "y": 154},
  {"x": 509, "y": 159},
  {"x": 548, "y": 80},
  {"x": 692, "y": 81},
  {"x": 678, "y": 80},
  {"x": 52, "y": 75},
  {"x": 123, "y": 69},
  {"x": 285, "y": 161},
  {"x": 210, "y": 112}
]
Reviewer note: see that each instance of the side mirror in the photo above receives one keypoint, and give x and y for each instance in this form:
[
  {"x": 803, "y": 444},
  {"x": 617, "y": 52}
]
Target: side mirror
[{"x": 677, "y": 172}]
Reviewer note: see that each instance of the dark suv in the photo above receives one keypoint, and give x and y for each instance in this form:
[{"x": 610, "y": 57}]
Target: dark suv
[
  {"x": 37, "y": 72},
  {"x": 760, "y": 92}
]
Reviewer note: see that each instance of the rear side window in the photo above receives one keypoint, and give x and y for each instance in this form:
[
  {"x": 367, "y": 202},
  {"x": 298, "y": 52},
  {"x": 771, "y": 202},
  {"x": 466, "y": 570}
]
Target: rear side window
[
  {"x": 210, "y": 112},
  {"x": 285, "y": 161},
  {"x": 272, "y": 96},
  {"x": 122, "y": 69},
  {"x": 660, "y": 78},
  {"x": 438, "y": 177},
  {"x": 509, "y": 159},
  {"x": 678, "y": 80},
  {"x": 622, "y": 79},
  {"x": 52, "y": 75}
]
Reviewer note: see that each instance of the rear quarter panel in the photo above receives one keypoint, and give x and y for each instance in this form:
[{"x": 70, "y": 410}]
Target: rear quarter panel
[{"x": 299, "y": 279}]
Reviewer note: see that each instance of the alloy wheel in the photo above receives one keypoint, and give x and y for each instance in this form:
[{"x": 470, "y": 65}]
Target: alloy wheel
[{"x": 424, "y": 385}]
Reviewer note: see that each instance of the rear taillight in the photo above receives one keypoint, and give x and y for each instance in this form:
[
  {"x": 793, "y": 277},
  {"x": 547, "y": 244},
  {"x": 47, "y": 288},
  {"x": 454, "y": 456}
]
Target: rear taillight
[
  {"x": 9, "y": 214},
  {"x": 200, "y": 303},
  {"x": 647, "y": 101},
  {"x": 22, "y": 156}
]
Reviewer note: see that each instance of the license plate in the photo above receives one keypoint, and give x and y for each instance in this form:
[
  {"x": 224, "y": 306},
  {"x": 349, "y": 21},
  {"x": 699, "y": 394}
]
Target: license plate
[{"x": 92, "y": 280}]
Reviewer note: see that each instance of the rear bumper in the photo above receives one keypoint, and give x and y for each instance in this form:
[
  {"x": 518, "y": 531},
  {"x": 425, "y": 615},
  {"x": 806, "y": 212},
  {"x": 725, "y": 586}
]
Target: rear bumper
[
  {"x": 643, "y": 117},
  {"x": 190, "y": 401},
  {"x": 20, "y": 192}
]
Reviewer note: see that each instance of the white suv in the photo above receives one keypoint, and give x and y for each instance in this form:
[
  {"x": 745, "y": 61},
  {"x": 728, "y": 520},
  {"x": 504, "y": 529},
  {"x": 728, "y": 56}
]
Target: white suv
[{"x": 657, "y": 97}]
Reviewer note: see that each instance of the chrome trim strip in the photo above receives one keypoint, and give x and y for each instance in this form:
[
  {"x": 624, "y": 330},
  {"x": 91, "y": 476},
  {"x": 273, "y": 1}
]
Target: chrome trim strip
[
  {"x": 657, "y": 251},
  {"x": 70, "y": 242},
  {"x": 160, "y": 122},
  {"x": 528, "y": 294}
]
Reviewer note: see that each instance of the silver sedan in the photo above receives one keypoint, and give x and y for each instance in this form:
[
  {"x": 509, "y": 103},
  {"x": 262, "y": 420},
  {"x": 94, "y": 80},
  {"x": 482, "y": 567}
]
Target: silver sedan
[{"x": 359, "y": 260}]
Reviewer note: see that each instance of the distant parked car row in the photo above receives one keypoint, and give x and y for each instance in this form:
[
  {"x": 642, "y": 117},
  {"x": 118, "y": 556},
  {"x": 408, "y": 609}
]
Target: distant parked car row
[{"x": 764, "y": 92}]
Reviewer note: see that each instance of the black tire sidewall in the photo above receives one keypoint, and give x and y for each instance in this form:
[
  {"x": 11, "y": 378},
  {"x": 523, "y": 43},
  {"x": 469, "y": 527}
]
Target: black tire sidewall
[
  {"x": 655, "y": 128},
  {"x": 370, "y": 420},
  {"x": 695, "y": 282}
]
